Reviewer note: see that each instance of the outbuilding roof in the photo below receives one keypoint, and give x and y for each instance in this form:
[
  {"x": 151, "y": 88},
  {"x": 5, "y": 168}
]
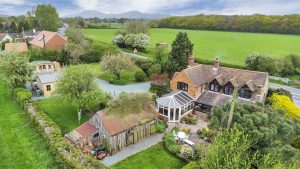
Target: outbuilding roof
[
  {"x": 48, "y": 78},
  {"x": 19, "y": 47},
  {"x": 175, "y": 99},
  {"x": 82, "y": 132}
]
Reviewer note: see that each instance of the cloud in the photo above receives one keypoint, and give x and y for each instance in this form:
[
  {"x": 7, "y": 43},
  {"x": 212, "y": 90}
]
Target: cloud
[
  {"x": 269, "y": 7},
  {"x": 118, "y": 6},
  {"x": 12, "y": 2}
]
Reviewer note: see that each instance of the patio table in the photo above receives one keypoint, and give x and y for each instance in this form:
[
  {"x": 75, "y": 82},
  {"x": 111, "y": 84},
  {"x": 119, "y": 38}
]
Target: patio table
[{"x": 181, "y": 135}]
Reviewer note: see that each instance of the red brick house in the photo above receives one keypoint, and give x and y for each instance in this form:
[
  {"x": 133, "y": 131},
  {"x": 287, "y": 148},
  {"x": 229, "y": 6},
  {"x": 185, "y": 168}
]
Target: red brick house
[{"x": 49, "y": 40}]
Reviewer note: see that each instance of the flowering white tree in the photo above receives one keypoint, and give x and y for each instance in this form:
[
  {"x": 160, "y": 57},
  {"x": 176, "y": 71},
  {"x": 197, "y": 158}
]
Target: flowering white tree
[
  {"x": 139, "y": 41},
  {"x": 119, "y": 40}
]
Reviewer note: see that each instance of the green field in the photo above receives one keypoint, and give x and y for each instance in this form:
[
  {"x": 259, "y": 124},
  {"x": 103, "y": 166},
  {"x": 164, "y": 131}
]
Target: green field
[
  {"x": 62, "y": 113},
  {"x": 155, "y": 157},
  {"x": 20, "y": 144},
  {"x": 230, "y": 47}
]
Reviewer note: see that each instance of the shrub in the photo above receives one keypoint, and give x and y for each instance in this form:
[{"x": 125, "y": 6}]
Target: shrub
[
  {"x": 144, "y": 64},
  {"x": 118, "y": 82},
  {"x": 171, "y": 144},
  {"x": 119, "y": 40},
  {"x": 160, "y": 89},
  {"x": 189, "y": 120},
  {"x": 154, "y": 69},
  {"x": 22, "y": 96},
  {"x": 209, "y": 134},
  {"x": 35, "y": 54},
  {"x": 140, "y": 76},
  {"x": 191, "y": 165},
  {"x": 160, "y": 127},
  {"x": 139, "y": 41},
  {"x": 286, "y": 104},
  {"x": 296, "y": 142}
]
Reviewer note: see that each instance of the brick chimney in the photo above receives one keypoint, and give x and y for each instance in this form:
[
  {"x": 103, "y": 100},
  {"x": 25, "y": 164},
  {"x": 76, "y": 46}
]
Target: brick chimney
[
  {"x": 191, "y": 61},
  {"x": 216, "y": 64}
]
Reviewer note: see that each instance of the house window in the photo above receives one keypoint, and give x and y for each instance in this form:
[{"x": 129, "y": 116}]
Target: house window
[
  {"x": 182, "y": 86},
  {"x": 228, "y": 89},
  {"x": 49, "y": 66},
  {"x": 214, "y": 86},
  {"x": 44, "y": 66},
  {"x": 48, "y": 87},
  {"x": 244, "y": 92}
]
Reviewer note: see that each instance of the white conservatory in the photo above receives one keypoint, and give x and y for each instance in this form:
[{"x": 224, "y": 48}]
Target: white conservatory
[{"x": 175, "y": 105}]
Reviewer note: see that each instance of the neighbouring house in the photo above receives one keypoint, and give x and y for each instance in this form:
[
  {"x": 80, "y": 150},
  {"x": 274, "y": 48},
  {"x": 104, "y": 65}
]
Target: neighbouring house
[
  {"x": 5, "y": 37},
  {"x": 44, "y": 67},
  {"x": 201, "y": 87},
  {"x": 48, "y": 40},
  {"x": 46, "y": 83},
  {"x": 114, "y": 132},
  {"x": 20, "y": 47},
  {"x": 24, "y": 36}
]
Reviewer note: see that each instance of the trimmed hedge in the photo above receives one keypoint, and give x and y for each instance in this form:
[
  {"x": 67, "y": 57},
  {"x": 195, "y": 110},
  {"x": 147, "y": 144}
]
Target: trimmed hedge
[{"x": 65, "y": 153}]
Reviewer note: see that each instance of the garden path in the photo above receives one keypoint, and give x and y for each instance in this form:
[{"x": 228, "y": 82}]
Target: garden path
[{"x": 133, "y": 149}]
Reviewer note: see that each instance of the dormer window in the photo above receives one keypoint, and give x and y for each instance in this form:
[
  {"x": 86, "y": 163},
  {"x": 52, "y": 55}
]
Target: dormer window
[
  {"x": 182, "y": 86},
  {"x": 245, "y": 92},
  {"x": 228, "y": 89},
  {"x": 214, "y": 86}
]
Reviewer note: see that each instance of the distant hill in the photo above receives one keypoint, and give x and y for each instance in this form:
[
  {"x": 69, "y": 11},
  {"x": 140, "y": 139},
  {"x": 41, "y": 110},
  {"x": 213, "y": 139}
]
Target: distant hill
[{"x": 129, "y": 14}]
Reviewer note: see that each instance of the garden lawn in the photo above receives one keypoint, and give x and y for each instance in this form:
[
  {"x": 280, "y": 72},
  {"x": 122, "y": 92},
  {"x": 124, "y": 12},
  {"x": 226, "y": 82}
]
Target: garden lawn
[
  {"x": 155, "y": 157},
  {"x": 230, "y": 47},
  {"x": 20, "y": 144},
  {"x": 126, "y": 76},
  {"x": 62, "y": 113}
]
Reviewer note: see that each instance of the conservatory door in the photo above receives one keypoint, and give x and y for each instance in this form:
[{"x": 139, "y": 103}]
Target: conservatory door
[{"x": 174, "y": 115}]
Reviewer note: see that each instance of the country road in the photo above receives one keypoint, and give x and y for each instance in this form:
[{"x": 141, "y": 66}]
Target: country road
[{"x": 295, "y": 92}]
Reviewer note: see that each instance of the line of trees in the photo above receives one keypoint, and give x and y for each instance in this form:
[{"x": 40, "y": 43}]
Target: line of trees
[
  {"x": 43, "y": 17},
  {"x": 287, "y": 24}
]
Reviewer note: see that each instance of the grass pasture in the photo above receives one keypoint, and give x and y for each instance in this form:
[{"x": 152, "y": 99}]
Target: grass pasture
[
  {"x": 230, "y": 47},
  {"x": 155, "y": 157},
  {"x": 20, "y": 144}
]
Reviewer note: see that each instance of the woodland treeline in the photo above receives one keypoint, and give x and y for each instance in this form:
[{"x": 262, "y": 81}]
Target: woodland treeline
[{"x": 287, "y": 24}]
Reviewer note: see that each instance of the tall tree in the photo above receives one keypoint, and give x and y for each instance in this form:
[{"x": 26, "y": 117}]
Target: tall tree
[
  {"x": 13, "y": 27},
  {"x": 77, "y": 86},
  {"x": 47, "y": 17},
  {"x": 182, "y": 49},
  {"x": 136, "y": 27},
  {"x": 116, "y": 64},
  {"x": 16, "y": 69}
]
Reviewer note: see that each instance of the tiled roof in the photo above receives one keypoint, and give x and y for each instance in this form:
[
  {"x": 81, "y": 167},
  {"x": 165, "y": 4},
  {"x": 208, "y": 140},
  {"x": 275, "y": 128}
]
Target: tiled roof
[
  {"x": 116, "y": 124},
  {"x": 19, "y": 47},
  {"x": 48, "y": 78},
  {"x": 37, "y": 41},
  {"x": 216, "y": 99},
  {"x": 82, "y": 132},
  {"x": 2, "y": 35},
  {"x": 202, "y": 74}
]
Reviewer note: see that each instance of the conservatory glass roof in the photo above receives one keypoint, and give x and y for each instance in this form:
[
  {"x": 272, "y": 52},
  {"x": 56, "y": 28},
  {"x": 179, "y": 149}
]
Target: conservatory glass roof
[{"x": 175, "y": 100}]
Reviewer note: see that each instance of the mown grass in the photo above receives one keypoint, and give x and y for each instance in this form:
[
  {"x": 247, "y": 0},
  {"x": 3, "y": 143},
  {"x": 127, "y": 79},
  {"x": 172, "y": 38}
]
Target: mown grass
[
  {"x": 155, "y": 157},
  {"x": 62, "y": 113},
  {"x": 126, "y": 76},
  {"x": 20, "y": 144},
  {"x": 230, "y": 47}
]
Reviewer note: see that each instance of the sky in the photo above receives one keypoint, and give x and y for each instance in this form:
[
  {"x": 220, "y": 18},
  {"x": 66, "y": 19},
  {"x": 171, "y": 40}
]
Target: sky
[{"x": 172, "y": 7}]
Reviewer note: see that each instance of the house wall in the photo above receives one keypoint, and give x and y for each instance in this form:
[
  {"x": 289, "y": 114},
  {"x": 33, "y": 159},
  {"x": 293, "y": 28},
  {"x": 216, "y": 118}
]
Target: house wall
[
  {"x": 43, "y": 87},
  {"x": 182, "y": 77},
  {"x": 56, "y": 42},
  {"x": 55, "y": 66}
]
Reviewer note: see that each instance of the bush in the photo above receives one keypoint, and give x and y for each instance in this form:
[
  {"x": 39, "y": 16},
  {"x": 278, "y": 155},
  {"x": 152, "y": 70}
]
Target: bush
[
  {"x": 144, "y": 64},
  {"x": 35, "y": 54},
  {"x": 191, "y": 165},
  {"x": 140, "y": 76},
  {"x": 118, "y": 82},
  {"x": 139, "y": 41},
  {"x": 155, "y": 69},
  {"x": 171, "y": 144},
  {"x": 96, "y": 50},
  {"x": 296, "y": 142},
  {"x": 209, "y": 134},
  {"x": 160, "y": 89},
  {"x": 189, "y": 120},
  {"x": 286, "y": 104},
  {"x": 119, "y": 40},
  {"x": 22, "y": 96},
  {"x": 160, "y": 127}
]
